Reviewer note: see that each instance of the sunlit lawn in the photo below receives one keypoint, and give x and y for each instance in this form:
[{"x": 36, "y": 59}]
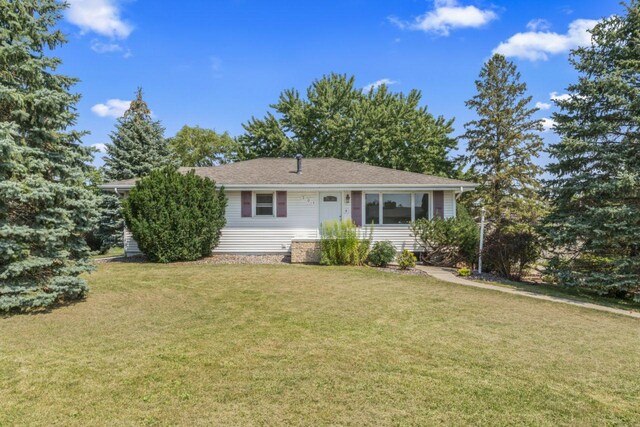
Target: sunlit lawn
[{"x": 264, "y": 345}]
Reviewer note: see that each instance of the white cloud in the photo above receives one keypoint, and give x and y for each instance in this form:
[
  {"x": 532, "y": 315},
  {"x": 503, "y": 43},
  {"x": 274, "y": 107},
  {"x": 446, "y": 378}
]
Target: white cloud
[
  {"x": 378, "y": 83},
  {"x": 538, "y": 25},
  {"x": 100, "y": 47},
  {"x": 547, "y": 124},
  {"x": 554, "y": 96},
  {"x": 100, "y": 147},
  {"x": 446, "y": 16},
  {"x": 112, "y": 108},
  {"x": 543, "y": 105},
  {"x": 538, "y": 45},
  {"x": 98, "y": 16}
]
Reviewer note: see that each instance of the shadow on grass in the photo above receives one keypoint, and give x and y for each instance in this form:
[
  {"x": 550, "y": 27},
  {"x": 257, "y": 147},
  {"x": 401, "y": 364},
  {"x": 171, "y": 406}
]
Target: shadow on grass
[
  {"x": 39, "y": 311},
  {"x": 576, "y": 294}
]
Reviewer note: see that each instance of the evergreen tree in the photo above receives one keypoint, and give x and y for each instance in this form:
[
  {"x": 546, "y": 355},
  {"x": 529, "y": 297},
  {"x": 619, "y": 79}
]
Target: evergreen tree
[
  {"x": 137, "y": 147},
  {"x": 503, "y": 142},
  {"x": 45, "y": 207},
  {"x": 338, "y": 120},
  {"x": 595, "y": 219}
]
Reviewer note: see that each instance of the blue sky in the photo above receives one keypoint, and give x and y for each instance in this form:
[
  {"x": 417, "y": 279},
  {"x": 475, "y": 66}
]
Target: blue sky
[{"x": 217, "y": 63}]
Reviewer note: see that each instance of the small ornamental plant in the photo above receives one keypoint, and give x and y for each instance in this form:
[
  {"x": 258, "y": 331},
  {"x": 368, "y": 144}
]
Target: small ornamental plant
[
  {"x": 406, "y": 260},
  {"x": 464, "y": 272},
  {"x": 382, "y": 254}
]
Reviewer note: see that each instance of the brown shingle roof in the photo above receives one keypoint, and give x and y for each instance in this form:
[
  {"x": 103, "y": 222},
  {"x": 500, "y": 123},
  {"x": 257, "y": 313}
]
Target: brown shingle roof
[{"x": 315, "y": 171}]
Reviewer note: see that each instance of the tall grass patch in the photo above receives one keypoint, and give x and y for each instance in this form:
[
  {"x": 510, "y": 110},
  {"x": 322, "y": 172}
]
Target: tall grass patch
[{"x": 341, "y": 245}]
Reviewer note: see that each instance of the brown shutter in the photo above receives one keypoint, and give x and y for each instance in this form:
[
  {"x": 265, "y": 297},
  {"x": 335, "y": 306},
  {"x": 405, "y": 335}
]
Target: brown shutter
[
  {"x": 356, "y": 208},
  {"x": 245, "y": 204},
  {"x": 438, "y": 204},
  {"x": 281, "y": 204}
]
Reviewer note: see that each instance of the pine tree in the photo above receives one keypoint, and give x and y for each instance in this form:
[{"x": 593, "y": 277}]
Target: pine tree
[
  {"x": 137, "y": 147},
  {"x": 503, "y": 143},
  {"x": 595, "y": 219},
  {"x": 45, "y": 207}
]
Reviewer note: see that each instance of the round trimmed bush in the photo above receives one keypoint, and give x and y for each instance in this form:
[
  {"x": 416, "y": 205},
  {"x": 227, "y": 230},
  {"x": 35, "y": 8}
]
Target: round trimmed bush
[
  {"x": 174, "y": 216},
  {"x": 382, "y": 254},
  {"x": 406, "y": 260}
]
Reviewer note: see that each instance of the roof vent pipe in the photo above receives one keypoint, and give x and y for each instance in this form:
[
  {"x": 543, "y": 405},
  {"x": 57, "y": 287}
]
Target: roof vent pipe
[{"x": 299, "y": 163}]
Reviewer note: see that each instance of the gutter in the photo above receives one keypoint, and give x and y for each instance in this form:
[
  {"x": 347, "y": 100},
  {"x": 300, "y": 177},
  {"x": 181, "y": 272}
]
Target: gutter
[{"x": 325, "y": 186}]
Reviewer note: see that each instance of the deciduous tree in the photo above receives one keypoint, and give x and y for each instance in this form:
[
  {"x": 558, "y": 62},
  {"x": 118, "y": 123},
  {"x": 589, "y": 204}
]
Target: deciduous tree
[
  {"x": 196, "y": 146},
  {"x": 337, "y": 119}
]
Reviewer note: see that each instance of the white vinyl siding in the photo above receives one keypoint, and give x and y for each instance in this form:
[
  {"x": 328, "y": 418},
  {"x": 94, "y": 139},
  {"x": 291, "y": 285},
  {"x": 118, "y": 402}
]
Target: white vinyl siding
[{"x": 270, "y": 234}]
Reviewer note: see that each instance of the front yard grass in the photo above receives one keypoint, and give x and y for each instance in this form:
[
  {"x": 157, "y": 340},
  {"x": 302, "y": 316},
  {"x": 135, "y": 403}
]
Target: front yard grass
[{"x": 304, "y": 345}]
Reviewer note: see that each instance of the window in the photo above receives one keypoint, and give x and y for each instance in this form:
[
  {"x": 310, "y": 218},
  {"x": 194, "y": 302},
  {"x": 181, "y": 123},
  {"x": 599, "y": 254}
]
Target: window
[
  {"x": 372, "y": 208},
  {"x": 421, "y": 205},
  {"x": 264, "y": 204},
  {"x": 329, "y": 199},
  {"x": 396, "y": 208}
]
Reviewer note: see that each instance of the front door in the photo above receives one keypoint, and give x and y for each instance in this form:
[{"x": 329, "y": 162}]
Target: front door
[{"x": 330, "y": 207}]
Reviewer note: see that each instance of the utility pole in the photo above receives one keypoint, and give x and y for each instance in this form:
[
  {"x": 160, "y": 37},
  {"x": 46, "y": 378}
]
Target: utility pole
[{"x": 481, "y": 240}]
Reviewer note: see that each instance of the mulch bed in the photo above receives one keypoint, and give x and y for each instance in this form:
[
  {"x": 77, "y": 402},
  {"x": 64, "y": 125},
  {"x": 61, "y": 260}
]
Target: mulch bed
[
  {"x": 250, "y": 259},
  {"x": 213, "y": 259},
  {"x": 407, "y": 272}
]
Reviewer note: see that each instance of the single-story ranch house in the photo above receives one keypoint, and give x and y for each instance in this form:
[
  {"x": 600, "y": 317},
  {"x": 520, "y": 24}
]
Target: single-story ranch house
[{"x": 273, "y": 202}]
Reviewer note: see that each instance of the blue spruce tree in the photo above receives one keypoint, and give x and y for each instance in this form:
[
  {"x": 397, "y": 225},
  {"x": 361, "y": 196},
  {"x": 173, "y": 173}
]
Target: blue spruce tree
[
  {"x": 137, "y": 147},
  {"x": 595, "y": 185},
  {"x": 45, "y": 206}
]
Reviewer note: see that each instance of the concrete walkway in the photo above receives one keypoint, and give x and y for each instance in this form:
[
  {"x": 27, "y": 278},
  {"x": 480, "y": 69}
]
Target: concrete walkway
[{"x": 447, "y": 275}]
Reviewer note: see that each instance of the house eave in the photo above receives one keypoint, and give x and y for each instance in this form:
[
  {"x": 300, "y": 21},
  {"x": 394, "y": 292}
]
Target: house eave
[{"x": 404, "y": 187}]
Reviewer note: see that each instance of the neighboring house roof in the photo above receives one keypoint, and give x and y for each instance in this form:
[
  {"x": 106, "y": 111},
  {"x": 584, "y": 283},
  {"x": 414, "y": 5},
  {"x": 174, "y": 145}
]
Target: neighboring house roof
[{"x": 315, "y": 172}]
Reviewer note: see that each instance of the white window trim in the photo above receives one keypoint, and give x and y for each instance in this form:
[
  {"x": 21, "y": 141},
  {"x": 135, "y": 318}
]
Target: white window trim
[
  {"x": 381, "y": 206},
  {"x": 254, "y": 195}
]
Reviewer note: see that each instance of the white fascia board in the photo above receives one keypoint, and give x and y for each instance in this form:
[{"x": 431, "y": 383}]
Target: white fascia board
[{"x": 307, "y": 187}]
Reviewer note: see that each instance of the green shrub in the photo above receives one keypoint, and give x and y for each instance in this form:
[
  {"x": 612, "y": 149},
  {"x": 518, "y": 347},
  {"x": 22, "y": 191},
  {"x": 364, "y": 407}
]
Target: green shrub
[
  {"x": 448, "y": 241},
  {"x": 464, "y": 272},
  {"x": 382, "y": 254},
  {"x": 340, "y": 244},
  {"x": 406, "y": 259},
  {"x": 511, "y": 252},
  {"x": 174, "y": 216}
]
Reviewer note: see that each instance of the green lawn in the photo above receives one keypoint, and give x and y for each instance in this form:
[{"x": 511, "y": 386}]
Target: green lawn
[
  {"x": 111, "y": 253},
  {"x": 263, "y": 345}
]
